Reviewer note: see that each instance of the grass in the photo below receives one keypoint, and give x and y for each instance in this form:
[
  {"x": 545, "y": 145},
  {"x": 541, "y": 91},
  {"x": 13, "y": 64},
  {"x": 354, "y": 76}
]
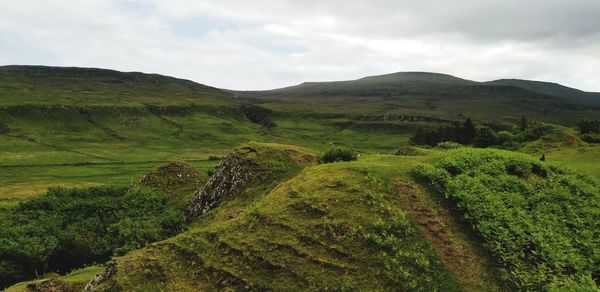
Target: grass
[
  {"x": 18, "y": 183},
  {"x": 75, "y": 280}
]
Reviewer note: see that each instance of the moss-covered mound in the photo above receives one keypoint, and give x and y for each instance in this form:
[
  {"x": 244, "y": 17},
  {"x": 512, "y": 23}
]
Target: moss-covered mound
[
  {"x": 252, "y": 165},
  {"x": 177, "y": 179},
  {"x": 549, "y": 137},
  {"x": 332, "y": 226}
]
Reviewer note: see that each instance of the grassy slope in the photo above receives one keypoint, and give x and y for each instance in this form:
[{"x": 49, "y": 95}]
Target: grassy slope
[
  {"x": 538, "y": 219},
  {"x": 337, "y": 226},
  {"x": 75, "y": 280}
]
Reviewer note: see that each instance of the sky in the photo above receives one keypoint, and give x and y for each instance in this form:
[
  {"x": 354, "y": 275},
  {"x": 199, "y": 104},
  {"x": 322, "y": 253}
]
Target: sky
[{"x": 243, "y": 44}]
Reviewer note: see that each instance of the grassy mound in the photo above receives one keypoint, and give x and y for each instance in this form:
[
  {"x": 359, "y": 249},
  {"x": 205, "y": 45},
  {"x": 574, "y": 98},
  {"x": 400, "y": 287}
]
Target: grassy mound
[
  {"x": 254, "y": 165},
  {"x": 540, "y": 221},
  {"x": 333, "y": 226},
  {"x": 178, "y": 179},
  {"x": 549, "y": 138}
]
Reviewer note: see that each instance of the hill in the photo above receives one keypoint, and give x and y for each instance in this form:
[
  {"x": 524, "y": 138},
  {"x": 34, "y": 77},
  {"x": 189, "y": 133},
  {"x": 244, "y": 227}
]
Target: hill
[
  {"x": 554, "y": 89},
  {"x": 293, "y": 225},
  {"x": 43, "y": 85},
  {"x": 435, "y": 95},
  {"x": 432, "y": 222}
]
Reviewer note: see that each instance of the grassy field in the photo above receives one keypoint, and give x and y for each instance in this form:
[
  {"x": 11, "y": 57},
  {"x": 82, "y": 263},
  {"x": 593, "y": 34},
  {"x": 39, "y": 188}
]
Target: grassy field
[{"x": 19, "y": 183}]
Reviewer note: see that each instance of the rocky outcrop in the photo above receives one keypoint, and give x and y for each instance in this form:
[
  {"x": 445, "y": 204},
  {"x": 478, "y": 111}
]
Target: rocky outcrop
[
  {"x": 109, "y": 271},
  {"x": 230, "y": 178},
  {"x": 52, "y": 285}
]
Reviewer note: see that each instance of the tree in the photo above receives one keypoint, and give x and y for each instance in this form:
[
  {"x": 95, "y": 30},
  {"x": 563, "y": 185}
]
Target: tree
[
  {"x": 523, "y": 123},
  {"x": 588, "y": 126},
  {"x": 468, "y": 132},
  {"x": 484, "y": 137}
]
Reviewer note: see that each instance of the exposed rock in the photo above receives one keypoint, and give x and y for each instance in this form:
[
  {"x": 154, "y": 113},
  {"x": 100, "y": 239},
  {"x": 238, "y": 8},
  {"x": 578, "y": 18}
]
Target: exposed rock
[
  {"x": 52, "y": 285},
  {"x": 109, "y": 271},
  {"x": 232, "y": 175}
]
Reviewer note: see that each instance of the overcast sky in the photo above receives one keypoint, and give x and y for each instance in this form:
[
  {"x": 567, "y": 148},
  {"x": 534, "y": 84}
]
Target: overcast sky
[{"x": 244, "y": 44}]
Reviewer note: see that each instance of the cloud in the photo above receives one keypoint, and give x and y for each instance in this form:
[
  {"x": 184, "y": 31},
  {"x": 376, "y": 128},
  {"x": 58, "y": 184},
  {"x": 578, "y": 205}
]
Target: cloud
[{"x": 265, "y": 44}]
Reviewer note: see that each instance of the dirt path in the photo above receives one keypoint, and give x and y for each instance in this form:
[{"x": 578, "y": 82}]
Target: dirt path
[{"x": 454, "y": 246}]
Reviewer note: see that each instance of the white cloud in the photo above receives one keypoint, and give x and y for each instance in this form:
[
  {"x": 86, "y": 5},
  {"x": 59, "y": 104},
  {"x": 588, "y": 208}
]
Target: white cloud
[{"x": 265, "y": 44}]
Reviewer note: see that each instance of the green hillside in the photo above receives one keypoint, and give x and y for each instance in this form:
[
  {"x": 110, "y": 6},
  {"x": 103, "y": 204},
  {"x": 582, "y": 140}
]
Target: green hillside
[
  {"x": 42, "y": 85},
  {"x": 466, "y": 219},
  {"x": 187, "y": 187},
  {"x": 335, "y": 226}
]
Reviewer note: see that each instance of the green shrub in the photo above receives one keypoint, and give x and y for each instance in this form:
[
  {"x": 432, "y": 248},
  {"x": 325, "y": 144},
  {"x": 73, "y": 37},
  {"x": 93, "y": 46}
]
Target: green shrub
[
  {"x": 485, "y": 137},
  {"x": 213, "y": 158},
  {"x": 447, "y": 145},
  {"x": 543, "y": 230},
  {"x": 591, "y": 138},
  {"x": 536, "y": 130},
  {"x": 589, "y": 126},
  {"x": 258, "y": 115},
  {"x": 4, "y": 129},
  {"x": 409, "y": 151},
  {"x": 69, "y": 228},
  {"x": 338, "y": 154}
]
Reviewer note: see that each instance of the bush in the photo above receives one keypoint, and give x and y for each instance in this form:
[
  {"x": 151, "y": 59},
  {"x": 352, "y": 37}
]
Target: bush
[
  {"x": 258, "y": 115},
  {"x": 69, "y": 228},
  {"x": 4, "y": 129},
  {"x": 338, "y": 154},
  {"x": 213, "y": 158},
  {"x": 536, "y": 130},
  {"x": 591, "y": 138},
  {"x": 409, "y": 151},
  {"x": 447, "y": 145},
  {"x": 588, "y": 126},
  {"x": 543, "y": 230},
  {"x": 485, "y": 137}
]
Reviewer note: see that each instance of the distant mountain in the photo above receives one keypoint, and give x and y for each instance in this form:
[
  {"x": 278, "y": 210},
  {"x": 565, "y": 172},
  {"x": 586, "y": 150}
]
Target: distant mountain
[
  {"x": 553, "y": 89},
  {"x": 405, "y": 93},
  {"x": 434, "y": 94}
]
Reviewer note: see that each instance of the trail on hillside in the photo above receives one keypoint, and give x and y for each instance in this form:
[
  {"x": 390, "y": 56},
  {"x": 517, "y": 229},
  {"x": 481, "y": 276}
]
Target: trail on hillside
[{"x": 456, "y": 249}]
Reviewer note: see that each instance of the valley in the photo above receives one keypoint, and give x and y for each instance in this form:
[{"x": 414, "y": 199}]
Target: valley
[{"x": 393, "y": 218}]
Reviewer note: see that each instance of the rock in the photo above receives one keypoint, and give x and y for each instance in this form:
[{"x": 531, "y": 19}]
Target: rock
[
  {"x": 52, "y": 285},
  {"x": 109, "y": 271},
  {"x": 232, "y": 175}
]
